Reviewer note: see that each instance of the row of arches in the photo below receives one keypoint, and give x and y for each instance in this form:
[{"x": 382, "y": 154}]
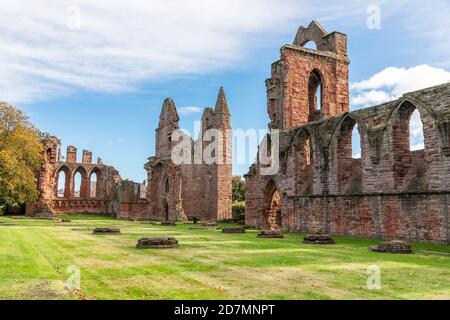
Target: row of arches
[
  {"x": 408, "y": 144},
  {"x": 408, "y": 114},
  {"x": 78, "y": 184},
  {"x": 408, "y": 138}
]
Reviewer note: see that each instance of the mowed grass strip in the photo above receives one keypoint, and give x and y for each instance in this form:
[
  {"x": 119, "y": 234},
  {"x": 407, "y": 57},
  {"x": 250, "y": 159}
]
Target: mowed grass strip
[{"x": 35, "y": 255}]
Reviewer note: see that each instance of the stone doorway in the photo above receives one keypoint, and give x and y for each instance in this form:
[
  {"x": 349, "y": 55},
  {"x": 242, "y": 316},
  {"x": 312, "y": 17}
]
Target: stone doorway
[
  {"x": 272, "y": 215},
  {"x": 166, "y": 209}
]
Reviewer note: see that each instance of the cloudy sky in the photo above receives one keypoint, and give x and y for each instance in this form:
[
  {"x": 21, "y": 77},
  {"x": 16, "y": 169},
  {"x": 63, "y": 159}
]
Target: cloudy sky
[{"x": 95, "y": 73}]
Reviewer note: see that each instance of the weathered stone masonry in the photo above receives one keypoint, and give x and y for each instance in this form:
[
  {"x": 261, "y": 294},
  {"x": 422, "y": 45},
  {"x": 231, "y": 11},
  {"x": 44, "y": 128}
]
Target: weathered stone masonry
[
  {"x": 199, "y": 189},
  {"x": 390, "y": 193},
  {"x": 108, "y": 195},
  {"x": 174, "y": 192}
]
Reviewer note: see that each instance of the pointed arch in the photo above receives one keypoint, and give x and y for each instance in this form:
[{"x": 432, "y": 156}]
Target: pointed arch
[
  {"x": 272, "y": 207},
  {"x": 314, "y": 32},
  {"x": 315, "y": 95},
  {"x": 167, "y": 185},
  {"x": 164, "y": 183},
  {"x": 62, "y": 182},
  {"x": 94, "y": 182},
  {"x": 349, "y": 169},
  {"x": 423, "y": 109},
  {"x": 79, "y": 188},
  {"x": 302, "y": 147},
  {"x": 165, "y": 210},
  {"x": 409, "y": 165}
]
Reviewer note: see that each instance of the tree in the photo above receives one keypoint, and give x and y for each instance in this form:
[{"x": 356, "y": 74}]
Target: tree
[
  {"x": 21, "y": 152},
  {"x": 238, "y": 187}
]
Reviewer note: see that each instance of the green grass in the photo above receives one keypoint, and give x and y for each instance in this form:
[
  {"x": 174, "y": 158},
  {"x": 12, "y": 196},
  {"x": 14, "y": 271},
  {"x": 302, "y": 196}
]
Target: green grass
[{"x": 35, "y": 254}]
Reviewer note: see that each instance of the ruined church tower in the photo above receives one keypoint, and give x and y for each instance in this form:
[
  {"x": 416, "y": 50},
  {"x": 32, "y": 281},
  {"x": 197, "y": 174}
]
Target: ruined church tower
[
  {"x": 201, "y": 188},
  {"x": 221, "y": 172},
  {"x": 168, "y": 123},
  {"x": 309, "y": 84}
]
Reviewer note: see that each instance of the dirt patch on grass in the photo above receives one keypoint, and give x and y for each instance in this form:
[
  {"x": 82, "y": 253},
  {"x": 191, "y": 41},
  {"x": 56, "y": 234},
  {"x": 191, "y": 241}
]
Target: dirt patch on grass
[
  {"x": 282, "y": 282},
  {"x": 40, "y": 290}
]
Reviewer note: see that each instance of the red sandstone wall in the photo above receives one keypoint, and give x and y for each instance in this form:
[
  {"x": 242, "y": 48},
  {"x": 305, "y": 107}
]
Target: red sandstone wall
[
  {"x": 391, "y": 193},
  {"x": 297, "y": 67},
  {"x": 414, "y": 217},
  {"x": 133, "y": 211},
  {"x": 204, "y": 190}
]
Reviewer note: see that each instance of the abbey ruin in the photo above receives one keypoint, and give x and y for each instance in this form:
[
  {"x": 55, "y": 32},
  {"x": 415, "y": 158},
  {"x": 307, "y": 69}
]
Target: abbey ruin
[
  {"x": 201, "y": 190},
  {"x": 172, "y": 192},
  {"x": 101, "y": 189},
  {"x": 390, "y": 192}
]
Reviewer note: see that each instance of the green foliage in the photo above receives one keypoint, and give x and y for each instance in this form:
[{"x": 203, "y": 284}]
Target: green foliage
[
  {"x": 239, "y": 205},
  {"x": 238, "y": 187},
  {"x": 20, "y": 157}
]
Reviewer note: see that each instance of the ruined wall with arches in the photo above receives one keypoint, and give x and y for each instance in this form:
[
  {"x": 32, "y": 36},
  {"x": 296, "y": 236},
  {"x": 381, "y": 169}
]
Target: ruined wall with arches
[
  {"x": 82, "y": 187},
  {"x": 201, "y": 190},
  {"x": 69, "y": 186},
  {"x": 389, "y": 190}
]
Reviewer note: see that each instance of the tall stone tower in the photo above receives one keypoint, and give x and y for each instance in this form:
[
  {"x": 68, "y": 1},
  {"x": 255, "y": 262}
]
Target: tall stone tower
[
  {"x": 168, "y": 123},
  {"x": 222, "y": 170},
  {"x": 200, "y": 188},
  {"x": 309, "y": 84}
]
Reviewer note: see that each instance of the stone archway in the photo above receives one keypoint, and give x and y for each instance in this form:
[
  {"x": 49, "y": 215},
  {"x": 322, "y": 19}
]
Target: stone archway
[
  {"x": 166, "y": 210},
  {"x": 272, "y": 214}
]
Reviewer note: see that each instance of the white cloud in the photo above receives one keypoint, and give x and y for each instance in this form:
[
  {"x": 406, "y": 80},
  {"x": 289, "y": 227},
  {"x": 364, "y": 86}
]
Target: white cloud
[
  {"x": 121, "y": 44},
  {"x": 372, "y": 97},
  {"x": 189, "y": 110},
  {"x": 392, "y": 82}
]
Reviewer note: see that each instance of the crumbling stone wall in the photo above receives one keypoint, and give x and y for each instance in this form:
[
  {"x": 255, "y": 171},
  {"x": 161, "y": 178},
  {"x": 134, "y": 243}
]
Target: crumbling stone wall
[
  {"x": 131, "y": 200},
  {"x": 301, "y": 72},
  {"x": 390, "y": 193},
  {"x": 197, "y": 189},
  {"x": 111, "y": 196},
  {"x": 46, "y": 184}
]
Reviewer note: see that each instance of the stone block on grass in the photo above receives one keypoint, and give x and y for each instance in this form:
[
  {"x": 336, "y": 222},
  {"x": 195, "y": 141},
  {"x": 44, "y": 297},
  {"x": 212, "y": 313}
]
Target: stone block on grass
[
  {"x": 106, "y": 231},
  {"x": 318, "y": 238},
  {"x": 233, "y": 230},
  {"x": 395, "y": 246},
  {"x": 157, "y": 243},
  {"x": 270, "y": 234}
]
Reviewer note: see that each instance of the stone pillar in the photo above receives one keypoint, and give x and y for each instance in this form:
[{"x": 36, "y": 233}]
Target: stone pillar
[
  {"x": 87, "y": 157},
  {"x": 71, "y": 154}
]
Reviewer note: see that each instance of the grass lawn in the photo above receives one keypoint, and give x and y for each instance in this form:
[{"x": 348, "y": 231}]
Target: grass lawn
[{"x": 35, "y": 255}]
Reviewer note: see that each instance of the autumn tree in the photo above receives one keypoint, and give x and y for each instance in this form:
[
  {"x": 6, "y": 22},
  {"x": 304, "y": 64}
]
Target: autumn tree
[
  {"x": 20, "y": 157},
  {"x": 238, "y": 188}
]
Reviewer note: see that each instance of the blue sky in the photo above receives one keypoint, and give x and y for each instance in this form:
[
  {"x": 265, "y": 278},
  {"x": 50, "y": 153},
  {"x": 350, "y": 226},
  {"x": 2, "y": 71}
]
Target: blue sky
[{"x": 99, "y": 84}]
